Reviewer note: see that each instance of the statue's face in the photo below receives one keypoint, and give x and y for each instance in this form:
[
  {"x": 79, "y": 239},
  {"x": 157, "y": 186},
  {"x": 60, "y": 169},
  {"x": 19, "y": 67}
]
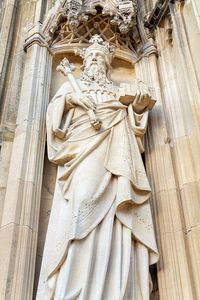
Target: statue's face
[
  {"x": 96, "y": 61},
  {"x": 95, "y": 66}
]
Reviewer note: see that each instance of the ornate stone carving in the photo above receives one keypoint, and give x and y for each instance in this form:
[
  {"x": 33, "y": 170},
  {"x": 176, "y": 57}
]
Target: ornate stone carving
[
  {"x": 75, "y": 21},
  {"x": 70, "y": 25},
  {"x": 72, "y": 12},
  {"x": 125, "y": 18},
  {"x": 100, "y": 227}
]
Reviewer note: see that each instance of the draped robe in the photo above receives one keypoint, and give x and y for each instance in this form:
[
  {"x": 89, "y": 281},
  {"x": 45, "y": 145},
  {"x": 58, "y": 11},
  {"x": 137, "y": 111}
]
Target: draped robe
[{"x": 100, "y": 239}]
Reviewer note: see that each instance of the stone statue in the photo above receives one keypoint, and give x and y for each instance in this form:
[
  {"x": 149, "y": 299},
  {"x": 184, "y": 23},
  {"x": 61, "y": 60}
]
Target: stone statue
[{"x": 100, "y": 240}]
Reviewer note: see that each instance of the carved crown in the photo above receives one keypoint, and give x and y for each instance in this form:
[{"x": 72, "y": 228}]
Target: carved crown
[{"x": 97, "y": 43}]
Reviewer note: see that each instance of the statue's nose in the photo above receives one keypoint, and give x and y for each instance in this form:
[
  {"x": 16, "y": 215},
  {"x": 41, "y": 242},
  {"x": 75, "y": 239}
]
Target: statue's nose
[{"x": 94, "y": 59}]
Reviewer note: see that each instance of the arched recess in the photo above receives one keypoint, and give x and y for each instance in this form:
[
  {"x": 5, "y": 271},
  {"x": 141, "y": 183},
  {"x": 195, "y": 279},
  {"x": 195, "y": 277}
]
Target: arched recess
[
  {"x": 132, "y": 52},
  {"x": 172, "y": 140}
]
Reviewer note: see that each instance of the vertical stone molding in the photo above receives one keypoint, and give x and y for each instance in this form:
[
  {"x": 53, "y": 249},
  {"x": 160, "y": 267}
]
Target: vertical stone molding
[
  {"x": 174, "y": 278},
  {"x": 14, "y": 21},
  {"x": 18, "y": 233},
  {"x": 179, "y": 69}
]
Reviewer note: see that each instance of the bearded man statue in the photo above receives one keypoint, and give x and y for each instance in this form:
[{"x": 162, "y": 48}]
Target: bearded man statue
[{"x": 100, "y": 239}]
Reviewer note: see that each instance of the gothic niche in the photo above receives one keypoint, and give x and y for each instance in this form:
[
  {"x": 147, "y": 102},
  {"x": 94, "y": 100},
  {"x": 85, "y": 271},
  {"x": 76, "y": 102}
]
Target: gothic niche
[{"x": 96, "y": 30}]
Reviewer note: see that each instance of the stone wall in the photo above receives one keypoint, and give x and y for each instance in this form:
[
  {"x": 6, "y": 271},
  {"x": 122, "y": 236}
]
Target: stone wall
[
  {"x": 172, "y": 146},
  {"x": 172, "y": 159}
]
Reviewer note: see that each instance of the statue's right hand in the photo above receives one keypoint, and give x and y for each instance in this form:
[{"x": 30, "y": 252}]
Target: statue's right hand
[{"x": 84, "y": 101}]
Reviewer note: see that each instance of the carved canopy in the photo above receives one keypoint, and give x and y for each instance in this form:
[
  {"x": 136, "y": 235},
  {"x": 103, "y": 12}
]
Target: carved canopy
[{"x": 71, "y": 23}]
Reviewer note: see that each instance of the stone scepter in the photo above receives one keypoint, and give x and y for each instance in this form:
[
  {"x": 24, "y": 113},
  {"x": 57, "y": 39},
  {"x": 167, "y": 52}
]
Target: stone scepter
[{"x": 66, "y": 68}]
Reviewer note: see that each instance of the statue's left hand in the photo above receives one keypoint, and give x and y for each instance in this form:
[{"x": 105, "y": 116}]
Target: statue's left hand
[
  {"x": 141, "y": 101},
  {"x": 142, "y": 97}
]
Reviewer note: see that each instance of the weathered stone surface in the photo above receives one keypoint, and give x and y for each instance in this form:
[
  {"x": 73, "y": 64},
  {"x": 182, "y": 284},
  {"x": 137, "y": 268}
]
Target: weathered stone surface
[{"x": 172, "y": 142}]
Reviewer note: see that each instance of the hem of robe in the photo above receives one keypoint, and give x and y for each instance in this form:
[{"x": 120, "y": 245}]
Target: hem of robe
[
  {"x": 121, "y": 214},
  {"x": 46, "y": 290},
  {"x": 129, "y": 215}
]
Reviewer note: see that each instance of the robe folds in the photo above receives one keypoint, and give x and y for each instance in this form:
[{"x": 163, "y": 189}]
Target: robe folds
[{"x": 100, "y": 239}]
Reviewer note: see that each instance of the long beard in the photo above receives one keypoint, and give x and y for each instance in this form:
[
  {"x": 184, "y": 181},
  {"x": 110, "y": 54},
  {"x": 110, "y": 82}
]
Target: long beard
[{"x": 94, "y": 73}]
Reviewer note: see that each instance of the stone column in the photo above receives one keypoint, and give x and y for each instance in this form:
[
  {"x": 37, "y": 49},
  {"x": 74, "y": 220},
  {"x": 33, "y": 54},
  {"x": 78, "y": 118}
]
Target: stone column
[
  {"x": 179, "y": 67},
  {"x": 173, "y": 268},
  {"x": 187, "y": 142},
  {"x": 19, "y": 226}
]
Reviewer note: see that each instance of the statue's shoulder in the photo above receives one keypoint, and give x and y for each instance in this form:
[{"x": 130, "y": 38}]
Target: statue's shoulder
[
  {"x": 67, "y": 86},
  {"x": 64, "y": 89}
]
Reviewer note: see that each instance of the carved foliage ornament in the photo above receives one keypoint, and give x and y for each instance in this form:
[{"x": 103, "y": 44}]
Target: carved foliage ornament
[
  {"x": 69, "y": 10},
  {"x": 76, "y": 12},
  {"x": 125, "y": 18}
]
